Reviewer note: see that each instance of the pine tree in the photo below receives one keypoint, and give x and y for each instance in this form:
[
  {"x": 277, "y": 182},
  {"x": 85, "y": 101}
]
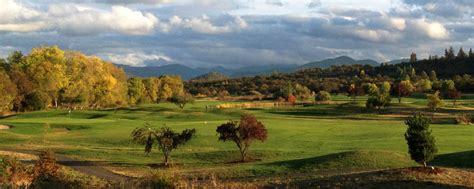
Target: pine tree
[
  {"x": 421, "y": 144},
  {"x": 471, "y": 55},
  {"x": 461, "y": 54},
  {"x": 451, "y": 53}
]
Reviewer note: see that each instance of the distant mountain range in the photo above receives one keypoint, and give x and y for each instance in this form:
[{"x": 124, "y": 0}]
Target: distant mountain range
[{"x": 188, "y": 73}]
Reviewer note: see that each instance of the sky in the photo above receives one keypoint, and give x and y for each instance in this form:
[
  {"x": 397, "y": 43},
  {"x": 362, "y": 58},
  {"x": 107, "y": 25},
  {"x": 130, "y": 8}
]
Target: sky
[{"x": 237, "y": 33}]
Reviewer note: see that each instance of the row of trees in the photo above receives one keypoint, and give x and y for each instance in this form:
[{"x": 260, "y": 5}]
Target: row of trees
[
  {"x": 51, "y": 77},
  {"x": 424, "y": 75},
  {"x": 243, "y": 133}
]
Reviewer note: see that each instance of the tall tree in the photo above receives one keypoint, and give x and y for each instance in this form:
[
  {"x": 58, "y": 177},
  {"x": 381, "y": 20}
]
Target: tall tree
[
  {"x": 421, "y": 144},
  {"x": 461, "y": 54},
  {"x": 413, "y": 57}
]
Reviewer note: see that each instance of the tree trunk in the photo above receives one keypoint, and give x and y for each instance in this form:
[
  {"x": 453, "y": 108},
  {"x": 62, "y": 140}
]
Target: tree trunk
[
  {"x": 399, "y": 99},
  {"x": 424, "y": 164},
  {"x": 166, "y": 160},
  {"x": 242, "y": 154},
  {"x": 454, "y": 102}
]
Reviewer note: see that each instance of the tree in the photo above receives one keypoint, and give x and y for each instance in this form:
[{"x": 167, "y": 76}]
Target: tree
[
  {"x": 413, "y": 57},
  {"x": 447, "y": 86},
  {"x": 433, "y": 76},
  {"x": 434, "y": 101},
  {"x": 182, "y": 100},
  {"x": 405, "y": 88},
  {"x": 424, "y": 85},
  {"x": 136, "y": 90},
  {"x": 36, "y": 100},
  {"x": 166, "y": 139},
  {"x": 471, "y": 55},
  {"x": 461, "y": 54},
  {"x": 243, "y": 134},
  {"x": 8, "y": 92},
  {"x": 421, "y": 144},
  {"x": 454, "y": 94},
  {"x": 323, "y": 96},
  {"x": 378, "y": 98},
  {"x": 302, "y": 92}
]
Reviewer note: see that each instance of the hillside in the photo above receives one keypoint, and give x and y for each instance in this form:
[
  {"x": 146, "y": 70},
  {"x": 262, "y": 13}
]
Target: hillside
[
  {"x": 188, "y": 73},
  {"x": 338, "y": 61},
  {"x": 211, "y": 76}
]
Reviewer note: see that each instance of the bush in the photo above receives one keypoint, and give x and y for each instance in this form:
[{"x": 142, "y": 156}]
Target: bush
[
  {"x": 323, "y": 96},
  {"x": 421, "y": 144},
  {"x": 464, "y": 119}
]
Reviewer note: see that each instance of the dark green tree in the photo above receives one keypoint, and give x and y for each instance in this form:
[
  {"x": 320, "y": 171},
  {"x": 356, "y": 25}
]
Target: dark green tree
[
  {"x": 461, "y": 54},
  {"x": 421, "y": 144},
  {"x": 165, "y": 137}
]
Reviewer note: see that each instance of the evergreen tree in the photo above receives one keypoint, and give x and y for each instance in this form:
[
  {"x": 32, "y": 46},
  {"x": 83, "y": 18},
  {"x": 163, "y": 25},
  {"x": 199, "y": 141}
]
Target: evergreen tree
[
  {"x": 413, "y": 57},
  {"x": 471, "y": 55},
  {"x": 451, "y": 53},
  {"x": 421, "y": 144},
  {"x": 461, "y": 54}
]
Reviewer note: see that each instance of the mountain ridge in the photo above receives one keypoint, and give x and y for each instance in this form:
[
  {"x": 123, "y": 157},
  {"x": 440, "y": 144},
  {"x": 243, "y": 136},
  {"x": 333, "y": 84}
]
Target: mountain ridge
[{"x": 188, "y": 73}]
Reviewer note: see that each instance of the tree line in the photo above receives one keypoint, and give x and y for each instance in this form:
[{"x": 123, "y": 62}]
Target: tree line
[
  {"x": 424, "y": 75},
  {"x": 50, "y": 77}
]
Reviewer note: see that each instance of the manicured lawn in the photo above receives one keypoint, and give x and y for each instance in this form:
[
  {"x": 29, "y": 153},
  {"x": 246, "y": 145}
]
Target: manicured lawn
[{"x": 314, "y": 138}]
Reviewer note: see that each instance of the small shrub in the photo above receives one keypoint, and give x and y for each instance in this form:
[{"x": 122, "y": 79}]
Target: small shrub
[
  {"x": 464, "y": 119},
  {"x": 15, "y": 173},
  {"x": 323, "y": 96}
]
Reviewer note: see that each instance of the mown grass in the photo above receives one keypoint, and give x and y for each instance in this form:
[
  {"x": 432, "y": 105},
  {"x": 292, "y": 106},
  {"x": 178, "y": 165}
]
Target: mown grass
[{"x": 301, "y": 139}]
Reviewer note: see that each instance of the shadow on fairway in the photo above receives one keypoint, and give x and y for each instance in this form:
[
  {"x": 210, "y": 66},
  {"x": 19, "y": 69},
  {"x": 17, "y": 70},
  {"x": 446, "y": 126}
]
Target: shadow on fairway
[
  {"x": 348, "y": 160},
  {"x": 459, "y": 160}
]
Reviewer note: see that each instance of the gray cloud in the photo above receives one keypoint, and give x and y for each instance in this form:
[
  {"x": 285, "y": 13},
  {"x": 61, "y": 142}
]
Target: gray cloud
[{"x": 211, "y": 33}]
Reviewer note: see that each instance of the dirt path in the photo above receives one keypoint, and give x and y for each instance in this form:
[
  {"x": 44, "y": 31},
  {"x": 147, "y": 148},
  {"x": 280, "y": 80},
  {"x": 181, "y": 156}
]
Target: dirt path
[{"x": 87, "y": 167}]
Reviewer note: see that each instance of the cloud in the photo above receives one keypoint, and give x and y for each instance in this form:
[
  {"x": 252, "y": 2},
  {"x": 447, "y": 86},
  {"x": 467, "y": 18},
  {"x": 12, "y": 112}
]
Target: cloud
[
  {"x": 135, "y": 59},
  {"x": 434, "y": 30},
  {"x": 77, "y": 20},
  {"x": 204, "y": 25},
  {"x": 134, "y": 1},
  {"x": 17, "y": 17}
]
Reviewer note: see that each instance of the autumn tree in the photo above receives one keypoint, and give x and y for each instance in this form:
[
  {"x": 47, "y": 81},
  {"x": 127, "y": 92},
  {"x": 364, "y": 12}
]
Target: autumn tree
[
  {"x": 454, "y": 95},
  {"x": 421, "y": 144},
  {"x": 243, "y": 134},
  {"x": 434, "y": 101},
  {"x": 166, "y": 139},
  {"x": 136, "y": 90},
  {"x": 404, "y": 88},
  {"x": 8, "y": 92},
  {"x": 378, "y": 98}
]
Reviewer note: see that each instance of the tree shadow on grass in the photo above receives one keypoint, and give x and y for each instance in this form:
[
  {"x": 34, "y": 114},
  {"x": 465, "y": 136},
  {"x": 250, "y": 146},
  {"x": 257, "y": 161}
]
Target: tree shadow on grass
[{"x": 458, "y": 160}]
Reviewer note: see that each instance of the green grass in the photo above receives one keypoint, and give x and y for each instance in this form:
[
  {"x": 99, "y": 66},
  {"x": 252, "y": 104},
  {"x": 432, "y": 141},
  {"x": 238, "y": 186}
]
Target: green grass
[{"x": 300, "y": 139}]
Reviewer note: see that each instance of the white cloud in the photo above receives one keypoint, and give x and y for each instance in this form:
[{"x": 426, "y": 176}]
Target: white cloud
[
  {"x": 398, "y": 23},
  {"x": 135, "y": 59},
  {"x": 79, "y": 20},
  {"x": 203, "y": 24},
  {"x": 75, "y": 19},
  {"x": 434, "y": 30},
  {"x": 17, "y": 17}
]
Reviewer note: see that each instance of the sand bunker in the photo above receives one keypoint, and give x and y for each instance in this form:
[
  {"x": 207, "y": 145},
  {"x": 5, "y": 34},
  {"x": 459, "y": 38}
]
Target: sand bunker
[{"x": 4, "y": 127}]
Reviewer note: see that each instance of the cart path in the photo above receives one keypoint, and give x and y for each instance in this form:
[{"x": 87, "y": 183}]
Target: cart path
[{"x": 87, "y": 167}]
